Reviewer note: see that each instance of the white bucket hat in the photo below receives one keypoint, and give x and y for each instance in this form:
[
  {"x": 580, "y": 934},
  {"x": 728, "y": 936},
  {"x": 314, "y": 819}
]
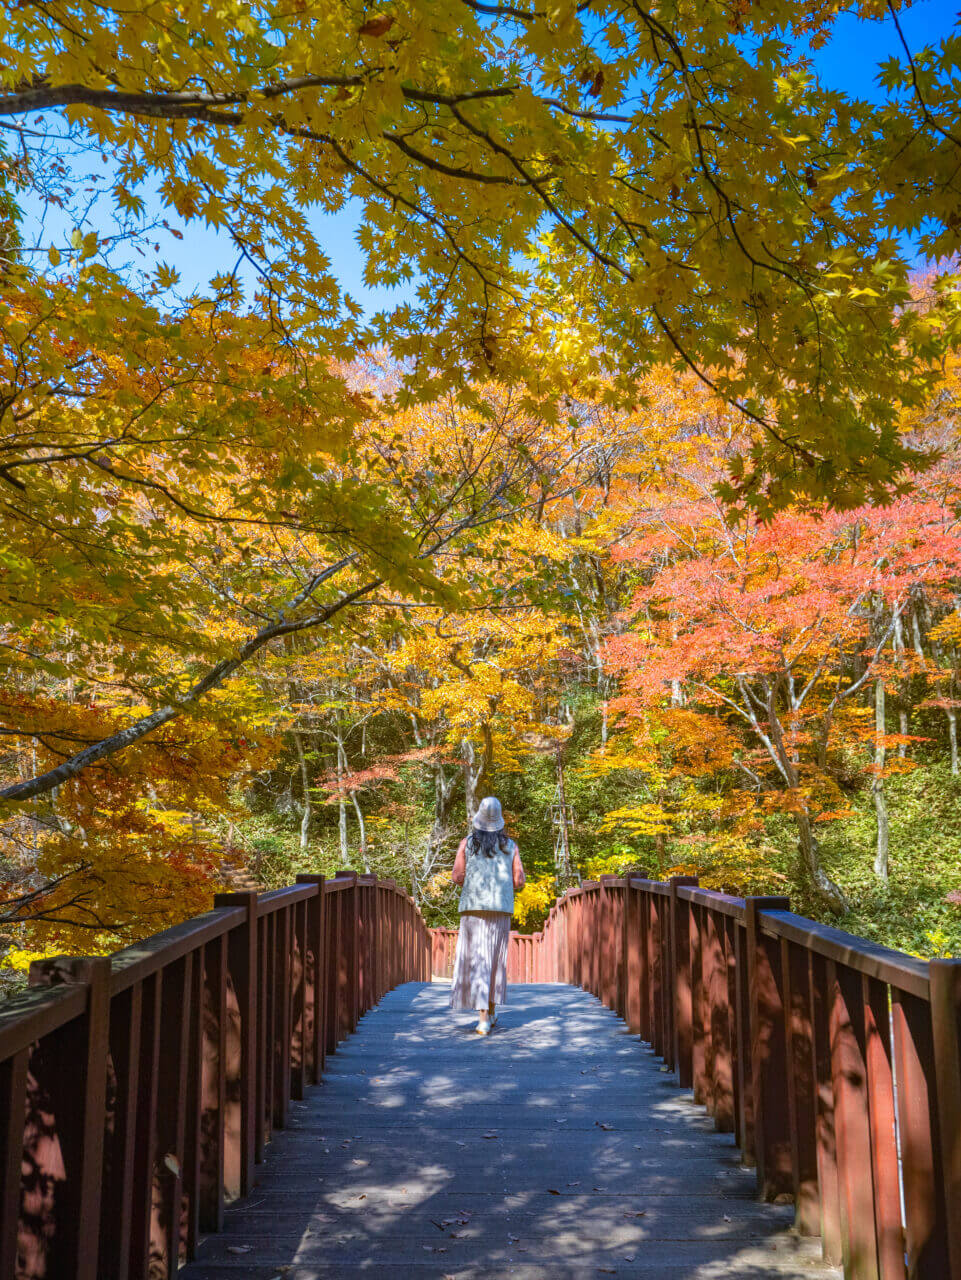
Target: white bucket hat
[{"x": 489, "y": 816}]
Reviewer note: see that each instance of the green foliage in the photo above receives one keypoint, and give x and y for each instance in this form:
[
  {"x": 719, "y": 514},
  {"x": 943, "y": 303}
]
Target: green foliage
[{"x": 911, "y": 912}]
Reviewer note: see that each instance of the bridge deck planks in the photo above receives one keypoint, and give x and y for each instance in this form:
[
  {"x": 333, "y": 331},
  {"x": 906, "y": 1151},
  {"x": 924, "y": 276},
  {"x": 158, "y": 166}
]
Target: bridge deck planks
[{"x": 389, "y": 1167}]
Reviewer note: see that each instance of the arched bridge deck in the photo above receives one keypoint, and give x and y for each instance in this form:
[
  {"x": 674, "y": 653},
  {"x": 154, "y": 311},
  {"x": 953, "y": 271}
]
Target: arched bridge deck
[
  {"x": 275, "y": 1090},
  {"x": 557, "y": 1147}
]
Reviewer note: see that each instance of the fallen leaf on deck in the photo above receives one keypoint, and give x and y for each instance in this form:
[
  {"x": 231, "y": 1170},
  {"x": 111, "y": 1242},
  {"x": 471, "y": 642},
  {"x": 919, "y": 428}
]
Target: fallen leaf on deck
[
  {"x": 600, "y": 1125},
  {"x": 240, "y": 1248},
  {"x": 552, "y": 1192}
]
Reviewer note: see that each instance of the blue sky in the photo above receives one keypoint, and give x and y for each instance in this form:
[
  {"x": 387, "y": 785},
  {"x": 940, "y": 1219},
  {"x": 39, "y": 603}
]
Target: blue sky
[{"x": 848, "y": 61}]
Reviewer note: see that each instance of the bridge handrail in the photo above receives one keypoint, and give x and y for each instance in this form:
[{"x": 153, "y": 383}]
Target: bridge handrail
[
  {"x": 139, "y": 1090},
  {"x": 834, "y": 1062}
]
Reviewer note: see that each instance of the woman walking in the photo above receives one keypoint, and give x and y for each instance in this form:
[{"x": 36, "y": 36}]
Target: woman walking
[{"x": 488, "y": 867}]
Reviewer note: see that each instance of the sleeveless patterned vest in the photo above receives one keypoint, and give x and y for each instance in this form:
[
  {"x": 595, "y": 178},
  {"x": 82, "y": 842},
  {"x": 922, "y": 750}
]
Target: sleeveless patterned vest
[{"x": 489, "y": 882}]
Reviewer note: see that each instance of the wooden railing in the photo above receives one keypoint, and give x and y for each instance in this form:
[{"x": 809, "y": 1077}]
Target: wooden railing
[
  {"x": 138, "y": 1090},
  {"x": 834, "y": 1062},
  {"x": 524, "y": 956}
]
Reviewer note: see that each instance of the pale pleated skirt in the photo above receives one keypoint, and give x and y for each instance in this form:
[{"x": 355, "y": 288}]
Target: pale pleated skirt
[{"x": 480, "y": 962}]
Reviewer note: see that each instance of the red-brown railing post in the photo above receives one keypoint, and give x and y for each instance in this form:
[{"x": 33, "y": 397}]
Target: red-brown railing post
[
  {"x": 722, "y": 1083},
  {"x": 242, "y": 963},
  {"x": 211, "y": 1174},
  {"x": 70, "y": 1066},
  {"x": 299, "y": 1050},
  {"x": 316, "y": 986},
  {"x": 731, "y": 929},
  {"x": 945, "y": 980},
  {"x": 884, "y": 1149},
  {"x": 802, "y": 1103},
  {"x": 826, "y": 1145},
  {"x": 646, "y": 952},
  {"x": 333, "y": 914},
  {"x": 698, "y": 1031},
  {"x": 171, "y": 1116},
  {"x": 350, "y": 956},
  {"x": 681, "y": 947},
  {"x": 926, "y": 1227},
  {"x": 657, "y": 951},
  {"x": 606, "y": 978},
  {"x": 768, "y": 1051},
  {"x": 279, "y": 1032},
  {"x": 13, "y": 1115},
  {"x": 633, "y": 958},
  {"x": 852, "y": 1123}
]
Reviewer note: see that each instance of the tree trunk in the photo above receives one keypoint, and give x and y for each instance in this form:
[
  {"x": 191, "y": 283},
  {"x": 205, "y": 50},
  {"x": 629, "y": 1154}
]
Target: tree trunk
[
  {"x": 341, "y": 771},
  {"x": 473, "y": 773},
  {"x": 363, "y": 832},
  {"x": 443, "y": 789},
  {"x": 305, "y": 783},
  {"x": 877, "y": 784},
  {"x": 952, "y": 715},
  {"x": 903, "y": 730},
  {"x": 831, "y": 894},
  {"x": 563, "y": 850}
]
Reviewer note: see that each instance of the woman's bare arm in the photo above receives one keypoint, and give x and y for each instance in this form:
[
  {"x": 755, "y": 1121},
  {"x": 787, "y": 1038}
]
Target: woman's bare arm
[
  {"x": 519, "y": 878},
  {"x": 460, "y": 863}
]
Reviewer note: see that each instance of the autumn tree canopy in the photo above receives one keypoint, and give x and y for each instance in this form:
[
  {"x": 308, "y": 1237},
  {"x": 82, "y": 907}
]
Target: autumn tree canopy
[
  {"x": 253, "y": 536},
  {"x": 576, "y": 193}
]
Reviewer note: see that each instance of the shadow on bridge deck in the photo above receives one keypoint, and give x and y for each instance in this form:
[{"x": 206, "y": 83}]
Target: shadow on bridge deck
[{"x": 557, "y": 1147}]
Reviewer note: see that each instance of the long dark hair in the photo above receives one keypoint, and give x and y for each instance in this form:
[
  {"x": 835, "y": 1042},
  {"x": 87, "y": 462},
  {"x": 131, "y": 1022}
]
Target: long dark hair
[{"x": 488, "y": 842}]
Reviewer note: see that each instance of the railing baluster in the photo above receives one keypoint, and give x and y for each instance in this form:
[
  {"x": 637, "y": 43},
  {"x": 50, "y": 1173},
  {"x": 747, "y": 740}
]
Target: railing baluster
[
  {"x": 316, "y": 987},
  {"x": 768, "y": 1053},
  {"x": 852, "y": 1124},
  {"x": 171, "y": 1118},
  {"x": 145, "y": 1149},
  {"x": 192, "y": 1108},
  {"x": 884, "y": 1151},
  {"x": 825, "y": 1125},
  {"x": 802, "y": 1105},
  {"x": 683, "y": 959},
  {"x": 126, "y": 1015},
  {"x": 13, "y": 1114},
  {"x": 241, "y": 1041},
  {"x": 698, "y": 1007},
  {"x": 70, "y": 1067},
  {"x": 720, "y": 1016},
  {"x": 219, "y": 1159},
  {"x": 945, "y": 978},
  {"x": 298, "y": 1001}
]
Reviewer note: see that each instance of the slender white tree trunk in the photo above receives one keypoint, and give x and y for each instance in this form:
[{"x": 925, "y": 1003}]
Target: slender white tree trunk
[
  {"x": 341, "y": 771},
  {"x": 363, "y": 832},
  {"x": 952, "y": 715},
  {"x": 877, "y": 786},
  {"x": 305, "y": 784}
]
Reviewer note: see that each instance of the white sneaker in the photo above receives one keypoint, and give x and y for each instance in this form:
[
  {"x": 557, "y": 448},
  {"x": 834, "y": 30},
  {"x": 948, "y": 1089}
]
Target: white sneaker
[{"x": 483, "y": 1027}]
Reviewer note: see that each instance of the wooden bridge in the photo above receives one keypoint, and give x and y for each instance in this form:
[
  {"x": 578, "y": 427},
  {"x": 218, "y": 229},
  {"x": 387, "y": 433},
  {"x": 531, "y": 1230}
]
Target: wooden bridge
[{"x": 159, "y": 1106}]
